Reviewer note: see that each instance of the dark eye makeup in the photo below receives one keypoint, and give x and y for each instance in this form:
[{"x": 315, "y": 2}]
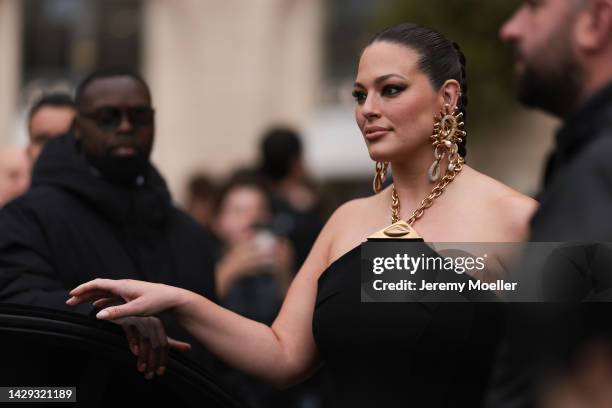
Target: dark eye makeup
[
  {"x": 392, "y": 89},
  {"x": 359, "y": 95},
  {"x": 389, "y": 90}
]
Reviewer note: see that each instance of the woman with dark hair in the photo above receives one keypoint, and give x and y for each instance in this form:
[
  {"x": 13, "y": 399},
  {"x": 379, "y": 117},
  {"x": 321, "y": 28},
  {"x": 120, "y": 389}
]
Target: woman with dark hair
[{"x": 411, "y": 99}]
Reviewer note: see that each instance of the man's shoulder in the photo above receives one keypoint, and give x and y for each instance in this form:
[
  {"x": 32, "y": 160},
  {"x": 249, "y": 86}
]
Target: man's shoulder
[
  {"x": 594, "y": 160},
  {"x": 45, "y": 202},
  {"x": 583, "y": 187},
  {"x": 192, "y": 236},
  {"x": 599, "y": 153},
  {"x": 39, "y": 197}
]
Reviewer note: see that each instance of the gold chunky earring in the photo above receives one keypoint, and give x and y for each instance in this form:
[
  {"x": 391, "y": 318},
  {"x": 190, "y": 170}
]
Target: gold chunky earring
[
  {"x": 447, "y": 134},
  {"x": 380, "y": 176}
]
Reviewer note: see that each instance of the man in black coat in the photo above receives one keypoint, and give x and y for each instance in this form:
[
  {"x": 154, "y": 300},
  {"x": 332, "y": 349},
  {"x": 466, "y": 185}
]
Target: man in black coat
[
  {"x": 563, "y": 51},
  {"x": 98, "y": 208},
  {"x": 564, "y": 63}
]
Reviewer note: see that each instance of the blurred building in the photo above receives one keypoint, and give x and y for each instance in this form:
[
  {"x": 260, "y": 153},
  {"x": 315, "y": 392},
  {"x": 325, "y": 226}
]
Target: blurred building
[
  {"x": 223, "y": 71},
  {"x": 10, "y": 68},
  {"x": 220, "y": 72}
]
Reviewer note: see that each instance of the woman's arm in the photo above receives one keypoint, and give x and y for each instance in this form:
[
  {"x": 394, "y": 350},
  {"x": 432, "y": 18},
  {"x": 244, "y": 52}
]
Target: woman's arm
[{"x": 280, "y": 354}]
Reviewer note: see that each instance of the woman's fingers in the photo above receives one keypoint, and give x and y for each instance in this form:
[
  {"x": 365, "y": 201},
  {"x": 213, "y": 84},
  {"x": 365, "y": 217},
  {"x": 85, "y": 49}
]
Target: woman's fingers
[
  {"x": 178, "y": 345},
  {"x": 146, "y": 336},
  {"x": 133, "y": 308},
  {"x": 89, "y": 296},
  {"x": 108, "y": 285},
  {"x": 105, "y": 302},
  {"x": 95, "y": 290}
]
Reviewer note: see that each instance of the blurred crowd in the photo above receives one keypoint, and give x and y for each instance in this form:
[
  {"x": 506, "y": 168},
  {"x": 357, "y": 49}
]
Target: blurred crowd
[
  {"x": 262, "y": 221},
  {"x": 82, "y": 201}
]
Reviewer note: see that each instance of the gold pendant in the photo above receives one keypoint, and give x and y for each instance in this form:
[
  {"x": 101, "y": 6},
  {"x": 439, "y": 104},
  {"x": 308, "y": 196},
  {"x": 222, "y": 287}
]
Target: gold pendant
[{"x": 400, "y": 230}]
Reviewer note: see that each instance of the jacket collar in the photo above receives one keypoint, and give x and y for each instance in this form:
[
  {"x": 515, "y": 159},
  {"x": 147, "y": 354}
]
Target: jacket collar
[
  {"x": 580, "y": 129},
  {"x": 584, "y": 125},
  {"x": 62, "y": 166}
]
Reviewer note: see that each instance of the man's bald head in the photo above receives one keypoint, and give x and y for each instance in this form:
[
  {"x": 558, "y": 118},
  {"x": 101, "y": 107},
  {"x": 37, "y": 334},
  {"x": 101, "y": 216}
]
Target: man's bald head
[
  {"x": 82, "y": 88},
  {"x": 50, "y": 117}
]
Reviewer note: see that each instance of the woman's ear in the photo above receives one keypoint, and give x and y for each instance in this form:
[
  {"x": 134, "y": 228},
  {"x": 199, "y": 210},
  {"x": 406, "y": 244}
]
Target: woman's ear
[{"x": 450, "y": 92}]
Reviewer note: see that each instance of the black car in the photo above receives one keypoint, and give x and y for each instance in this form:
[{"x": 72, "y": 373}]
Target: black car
[{"x": 48, "y": 348}]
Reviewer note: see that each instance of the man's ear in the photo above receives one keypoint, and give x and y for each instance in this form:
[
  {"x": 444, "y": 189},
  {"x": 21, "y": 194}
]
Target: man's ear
[
  {"x": 594, "y": 26},
  {"x": 450, "y": 92}
]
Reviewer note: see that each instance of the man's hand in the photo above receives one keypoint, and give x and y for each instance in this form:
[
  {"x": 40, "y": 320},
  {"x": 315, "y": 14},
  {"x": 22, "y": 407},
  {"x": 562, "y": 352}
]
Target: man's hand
[
  {"x": 130, "y": 304},
  {"x": 148, "y": 341}
]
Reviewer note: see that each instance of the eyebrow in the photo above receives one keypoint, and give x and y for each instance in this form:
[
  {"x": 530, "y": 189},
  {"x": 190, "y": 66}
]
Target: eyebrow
[{"x": 382, "y": 78}]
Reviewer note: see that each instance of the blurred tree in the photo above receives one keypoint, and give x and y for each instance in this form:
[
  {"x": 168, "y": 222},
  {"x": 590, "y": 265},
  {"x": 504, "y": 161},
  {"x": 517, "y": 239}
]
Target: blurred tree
[{"x": 473, "y": 24}]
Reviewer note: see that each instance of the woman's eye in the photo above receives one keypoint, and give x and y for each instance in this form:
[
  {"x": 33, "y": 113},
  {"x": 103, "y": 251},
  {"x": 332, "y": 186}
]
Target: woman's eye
[
  {"x": 392, "y": 90},
  {"x": 359, "y": 96}
]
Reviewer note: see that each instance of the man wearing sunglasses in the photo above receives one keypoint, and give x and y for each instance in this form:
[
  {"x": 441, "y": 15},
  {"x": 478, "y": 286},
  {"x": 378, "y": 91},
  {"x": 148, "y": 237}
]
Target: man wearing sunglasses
[
  {"x": 98, "y": 208},
  {"x": 114, "y": 128}
]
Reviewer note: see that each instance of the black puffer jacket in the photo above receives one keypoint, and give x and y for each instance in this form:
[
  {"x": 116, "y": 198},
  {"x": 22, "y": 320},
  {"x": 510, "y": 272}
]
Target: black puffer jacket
[
  {"x": 577, "y": 196},
  {"x": 73, "y": 226}
]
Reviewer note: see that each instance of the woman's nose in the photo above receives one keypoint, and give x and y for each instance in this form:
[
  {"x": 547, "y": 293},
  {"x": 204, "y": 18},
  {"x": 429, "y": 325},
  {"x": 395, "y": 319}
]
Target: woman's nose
[{"x": 370, "y": 108}]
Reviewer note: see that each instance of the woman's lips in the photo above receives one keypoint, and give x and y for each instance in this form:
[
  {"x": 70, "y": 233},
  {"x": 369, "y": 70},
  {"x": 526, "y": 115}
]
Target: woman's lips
[{"x": 375, "y": 132}]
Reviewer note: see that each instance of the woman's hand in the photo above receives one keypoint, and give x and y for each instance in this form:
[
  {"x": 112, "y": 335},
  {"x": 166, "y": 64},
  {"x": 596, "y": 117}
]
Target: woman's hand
[
  {"x": 146, "y": 335},
  {"x": 141, "y": 298},
  {"x": 148, "y": 341}
]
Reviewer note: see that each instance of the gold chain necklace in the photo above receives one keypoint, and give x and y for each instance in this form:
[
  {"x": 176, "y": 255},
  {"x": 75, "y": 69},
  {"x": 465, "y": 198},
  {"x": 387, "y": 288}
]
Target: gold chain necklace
[{"x": 427, "y": 201}]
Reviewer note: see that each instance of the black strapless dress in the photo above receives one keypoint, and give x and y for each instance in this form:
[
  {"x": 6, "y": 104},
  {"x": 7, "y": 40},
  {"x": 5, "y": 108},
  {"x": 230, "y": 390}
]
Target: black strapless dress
[{"x": 402, "y": 354}]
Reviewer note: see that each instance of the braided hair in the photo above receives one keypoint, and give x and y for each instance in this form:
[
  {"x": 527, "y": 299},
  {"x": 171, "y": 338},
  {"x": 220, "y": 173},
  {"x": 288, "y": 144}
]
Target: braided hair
[{"x": 439, "y": 59}]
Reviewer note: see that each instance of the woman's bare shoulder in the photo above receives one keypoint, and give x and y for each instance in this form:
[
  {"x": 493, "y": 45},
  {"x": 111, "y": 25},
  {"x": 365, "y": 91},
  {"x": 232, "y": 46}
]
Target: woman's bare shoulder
[
  {"x": 356, "y": 207},
  {"x": 510, "y": 209},
  {"x": 515, "y": 210},
  {"x": 352, "y": 222}
]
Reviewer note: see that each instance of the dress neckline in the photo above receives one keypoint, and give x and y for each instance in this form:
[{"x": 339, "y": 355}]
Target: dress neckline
[
  {"x": 343, "y": 256},
  {"x": 338, "y": 260}
]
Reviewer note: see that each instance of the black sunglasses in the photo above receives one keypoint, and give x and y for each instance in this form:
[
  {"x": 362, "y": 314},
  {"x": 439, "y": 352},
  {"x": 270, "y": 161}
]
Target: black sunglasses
[{"x": 109, "y": 118}]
